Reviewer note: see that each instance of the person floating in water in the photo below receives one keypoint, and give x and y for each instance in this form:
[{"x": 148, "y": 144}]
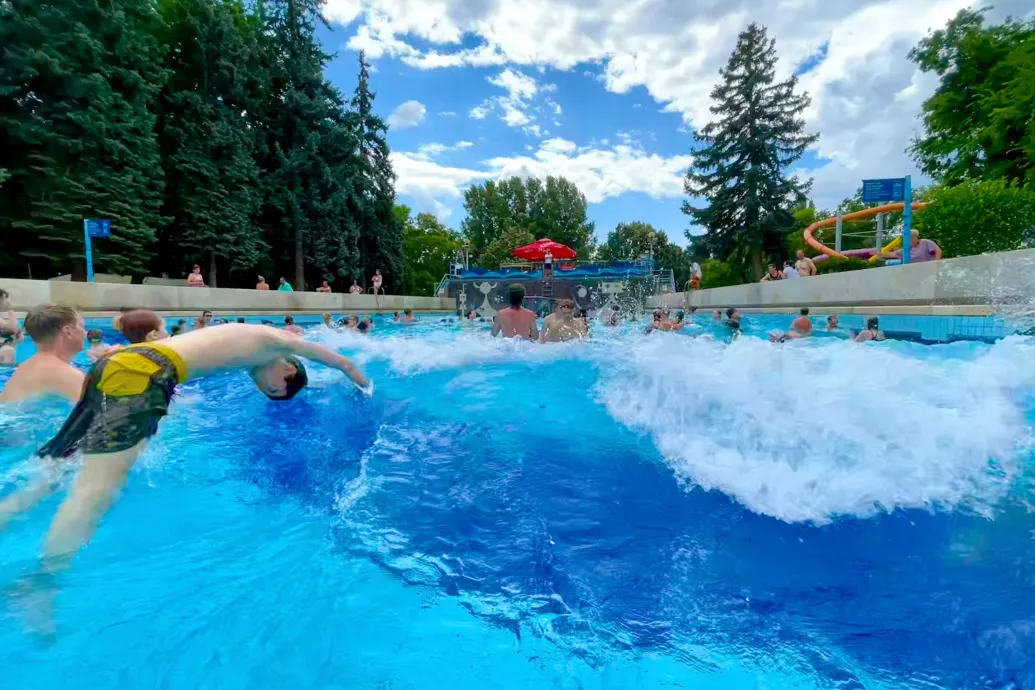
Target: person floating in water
[
  {"x": 832, "y": 323},
  {"x": 9, "y": 348},
  {"x": 801, "y": 327},
  {"x": 407, "y": 317},
  {"x": 290, "y": 327},
  {"x": 59, "y": 334},
  {"x": 562, "y": 324},
  {"x": 872, "y": 331},
  {"x": 125, "y": 397},
  {"x": 8, "y": 322},
  {"x": 515, "y": 321},
  {"x": 97, "y": 347}
]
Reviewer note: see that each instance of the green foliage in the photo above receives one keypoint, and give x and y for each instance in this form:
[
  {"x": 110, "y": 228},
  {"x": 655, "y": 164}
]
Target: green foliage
[
  {"x": 630, "y": 241},
  {"x": 204, "y": 129},
  {"x": 381, "y": 236},
  {"x": 501, "y": 250},
  {"x": 978, "y": 217},
  {"x": 835, "y": 265},
  {"x": 978, "y": 122},
  {"x": 553, "y": 208},
  {"x": 757, "y": 134},
  {"x": 428, "y": 247},
  {"x": 715, "y": 273},
  {"x": 212, "y": 179},
  {"x": 78, "y": 88}
]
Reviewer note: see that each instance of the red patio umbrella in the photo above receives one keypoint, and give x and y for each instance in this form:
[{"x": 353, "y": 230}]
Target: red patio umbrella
[{"x": 537, "y": 250}]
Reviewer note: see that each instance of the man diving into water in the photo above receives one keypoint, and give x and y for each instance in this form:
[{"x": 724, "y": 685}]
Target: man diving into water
[{"x": 125, "y": 397}]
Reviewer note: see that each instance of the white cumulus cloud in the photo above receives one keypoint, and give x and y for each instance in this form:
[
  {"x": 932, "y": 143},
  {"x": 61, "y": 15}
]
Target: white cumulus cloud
[
  {"x": 866, "y": 94},
  {"x": 600, "y": 172},
  {"x": 408, "y": 114}
]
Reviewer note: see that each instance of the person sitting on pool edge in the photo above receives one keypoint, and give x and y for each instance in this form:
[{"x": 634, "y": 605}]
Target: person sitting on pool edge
[
  {"x": 59, "y": 334},
  {"x": 125, "y": 397}
]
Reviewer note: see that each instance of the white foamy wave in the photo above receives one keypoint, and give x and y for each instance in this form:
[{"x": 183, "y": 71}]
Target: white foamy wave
[
  {"x": 809, "y": 431},
  {"x": 440, "y": 350}
]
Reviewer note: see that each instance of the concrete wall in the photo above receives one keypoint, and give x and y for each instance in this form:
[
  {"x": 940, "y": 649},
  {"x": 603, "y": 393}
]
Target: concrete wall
[
  {"x": 968, "y": 285},
  {"x": 101, "y": 297}
]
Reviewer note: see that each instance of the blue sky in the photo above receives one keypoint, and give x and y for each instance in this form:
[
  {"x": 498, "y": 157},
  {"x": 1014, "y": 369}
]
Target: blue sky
[{"x": 603, "y": 92}]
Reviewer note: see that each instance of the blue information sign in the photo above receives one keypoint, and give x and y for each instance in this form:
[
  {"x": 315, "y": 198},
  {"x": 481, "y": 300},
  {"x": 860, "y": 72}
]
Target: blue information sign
[
  {"x": 891, "y": 189},
  {"x": 98, "y": 227},
  {"x": 94, "y": 227}
]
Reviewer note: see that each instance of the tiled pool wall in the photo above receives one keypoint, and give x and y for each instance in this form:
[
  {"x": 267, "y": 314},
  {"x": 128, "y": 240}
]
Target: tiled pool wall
[
  {"x": 934, "y": 329},
  {"x": 928, "y": 329}
]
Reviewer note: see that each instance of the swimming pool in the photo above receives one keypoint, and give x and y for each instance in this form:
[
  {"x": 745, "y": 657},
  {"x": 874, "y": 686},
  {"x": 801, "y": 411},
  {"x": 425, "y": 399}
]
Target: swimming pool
[{"x": 629, "y": 512}]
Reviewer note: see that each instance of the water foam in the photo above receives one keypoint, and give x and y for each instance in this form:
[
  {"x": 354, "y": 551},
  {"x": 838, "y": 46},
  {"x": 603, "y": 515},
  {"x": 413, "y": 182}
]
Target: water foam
[
  {"x": 440, "y": 350},
  {"x": 809, "y": 431}
]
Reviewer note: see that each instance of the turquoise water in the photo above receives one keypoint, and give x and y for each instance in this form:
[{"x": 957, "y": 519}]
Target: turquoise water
[{"x": 628, "y": 512}]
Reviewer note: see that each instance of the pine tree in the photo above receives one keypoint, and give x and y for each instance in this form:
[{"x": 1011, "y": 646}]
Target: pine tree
[
  {"x": 740, "y": 170},
  {"x": 78, "y": 84},
  {"x": 381, "y": 235},
  {"x": 212, "y": 191},
  {"x": 311, "y": 154}
]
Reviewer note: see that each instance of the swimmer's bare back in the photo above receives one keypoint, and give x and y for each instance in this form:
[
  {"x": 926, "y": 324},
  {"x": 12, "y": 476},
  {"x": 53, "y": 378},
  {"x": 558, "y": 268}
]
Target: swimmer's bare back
[
  {"x": 43, "y": 374},
  {"x": 519, "y": 322}
]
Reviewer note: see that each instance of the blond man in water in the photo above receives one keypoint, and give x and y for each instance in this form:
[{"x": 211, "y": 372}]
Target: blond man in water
[
  {"x": 59, "y": 333},
  {"x": 127, "y": 394},
  {"x": 562, "y": 324}
]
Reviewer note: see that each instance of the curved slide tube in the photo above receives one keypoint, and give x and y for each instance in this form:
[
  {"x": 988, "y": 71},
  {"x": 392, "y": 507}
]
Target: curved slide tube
[{"x": 857, "y": 215}]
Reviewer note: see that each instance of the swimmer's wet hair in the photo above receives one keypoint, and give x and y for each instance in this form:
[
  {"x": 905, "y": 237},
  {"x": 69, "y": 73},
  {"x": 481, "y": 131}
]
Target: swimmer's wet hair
[
  {"x": 43, "y": 323},
  {"x": 294, "y": 383},
  {"x": 136, "y": 324},
  {"x": 516, "y": 294}
]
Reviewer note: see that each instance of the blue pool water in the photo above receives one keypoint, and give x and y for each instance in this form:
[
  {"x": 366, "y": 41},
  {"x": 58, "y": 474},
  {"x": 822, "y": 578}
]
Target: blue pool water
[{"x": 628, "y": 512}]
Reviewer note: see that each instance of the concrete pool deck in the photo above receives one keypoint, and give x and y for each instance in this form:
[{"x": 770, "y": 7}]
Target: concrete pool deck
[
  {"x": 103, "y": 299},
  {"x": 968, "y": 286}
]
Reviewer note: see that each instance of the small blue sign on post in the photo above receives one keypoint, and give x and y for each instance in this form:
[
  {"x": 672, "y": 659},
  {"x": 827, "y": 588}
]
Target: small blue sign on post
[
  {"x": 891, "y": 189},
  {"x": 94, "y": 227},
  {"x": 894, "y": 189}
]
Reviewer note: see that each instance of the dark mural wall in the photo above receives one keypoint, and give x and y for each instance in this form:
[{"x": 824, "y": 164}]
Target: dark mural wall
[{"x": 487, "y": 297}]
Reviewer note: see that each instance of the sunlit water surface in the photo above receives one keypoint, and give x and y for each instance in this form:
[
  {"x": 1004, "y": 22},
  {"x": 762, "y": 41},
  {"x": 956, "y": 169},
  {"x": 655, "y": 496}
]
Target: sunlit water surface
[{"x": 627, "y": 512}]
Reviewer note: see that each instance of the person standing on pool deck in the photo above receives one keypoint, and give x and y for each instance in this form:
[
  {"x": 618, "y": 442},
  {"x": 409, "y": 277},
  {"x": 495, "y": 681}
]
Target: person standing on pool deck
[
  {"x": 59, "y": 333},
  {"x": 805, "y": 266},
  {"x": 515, "y": 321},
  {"x": 125, "y": 397},
  {"x": 262, "y": 284},
  {"x": 376, "y": 281},
  {"x": 285, "y": 286}
]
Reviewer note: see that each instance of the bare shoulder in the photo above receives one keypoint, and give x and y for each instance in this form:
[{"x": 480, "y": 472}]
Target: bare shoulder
[{"x": 43, "y": 376}]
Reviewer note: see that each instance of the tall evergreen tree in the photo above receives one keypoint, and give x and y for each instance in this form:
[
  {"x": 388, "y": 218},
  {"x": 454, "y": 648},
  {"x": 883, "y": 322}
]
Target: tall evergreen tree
[
  {"x": 381, "y": 235},
  {"x": 309, "y": 158},
  {"x": 78, "y": 84},
  {"x": 212, "y": 179},
  {"x": 740, "y": 171}
]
